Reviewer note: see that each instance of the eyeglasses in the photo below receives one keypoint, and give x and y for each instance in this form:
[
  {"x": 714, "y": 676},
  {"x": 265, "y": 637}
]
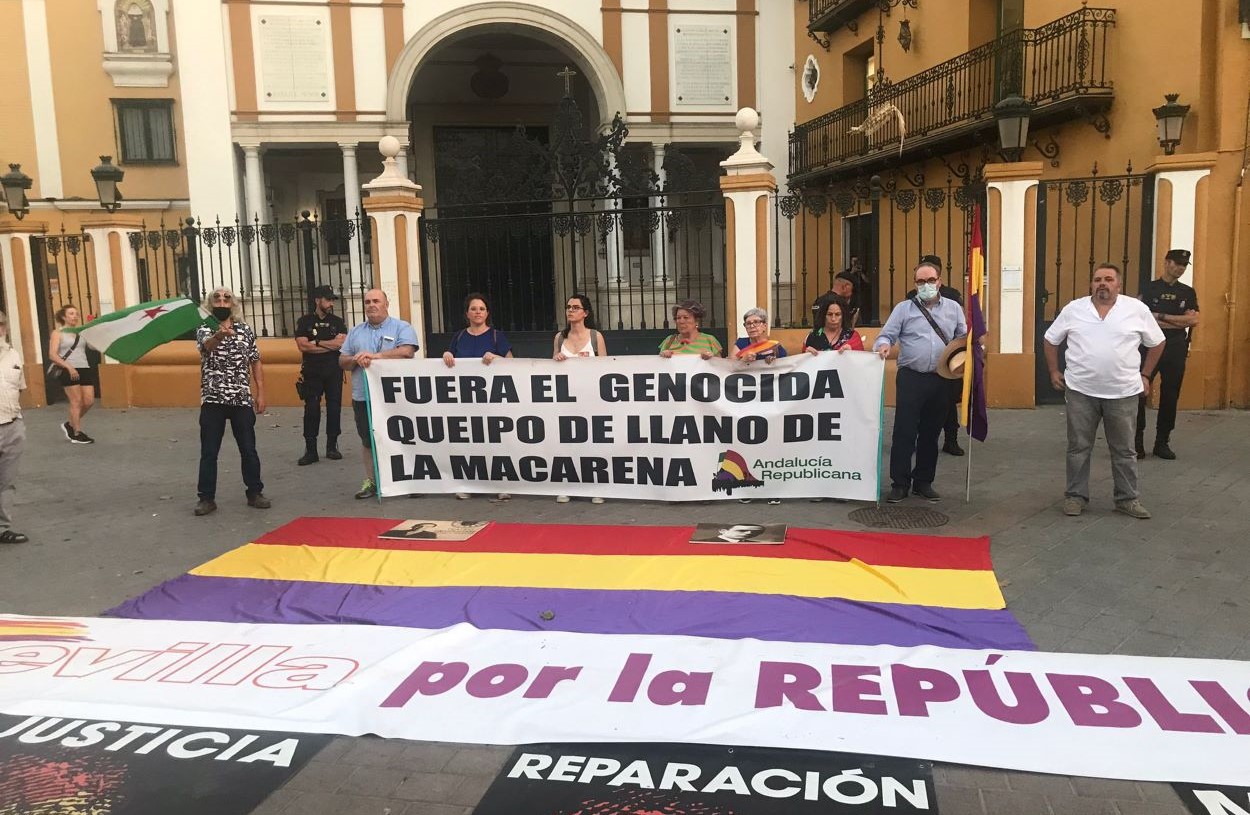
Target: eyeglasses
[
  {"x": 574, "y": 308},
  {"x": 928, "y": 280},
  {"x": 753, "y": 322}
]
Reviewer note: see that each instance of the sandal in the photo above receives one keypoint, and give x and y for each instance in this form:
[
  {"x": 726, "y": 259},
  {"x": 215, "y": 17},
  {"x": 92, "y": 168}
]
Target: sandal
[{"x": 9, "y": 536}]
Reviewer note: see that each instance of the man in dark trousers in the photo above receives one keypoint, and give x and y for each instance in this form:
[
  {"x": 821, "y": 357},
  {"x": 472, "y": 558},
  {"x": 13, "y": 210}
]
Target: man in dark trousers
[
  {"x": 1174, "y": 306},
  {"x": 951, "y": 426},
  {"x": 319, "y": 335},
  {"x": 921, "y": 327}
]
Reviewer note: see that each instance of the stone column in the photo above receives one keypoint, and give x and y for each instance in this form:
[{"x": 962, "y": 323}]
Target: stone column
[
  {"x": 19, "y": 296},
  {"x": 351, "y": 195},
  {"x": 747, "y": 183},
  {"x": 401, "y": 161},
  {"x": 1011, "y": 282},
  {"x": 395, "y": 205},
  {"x": 255, "y": 185},
  {"x": 1182, "y": 193},
  {"x": 661, "y": 271}
]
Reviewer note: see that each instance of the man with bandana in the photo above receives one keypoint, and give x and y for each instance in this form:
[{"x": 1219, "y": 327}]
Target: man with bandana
[{"x": 921, "y": 327}]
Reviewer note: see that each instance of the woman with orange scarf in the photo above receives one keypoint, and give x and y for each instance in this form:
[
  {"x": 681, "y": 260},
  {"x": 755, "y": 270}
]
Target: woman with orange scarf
[{"x": 756, "y": 344}]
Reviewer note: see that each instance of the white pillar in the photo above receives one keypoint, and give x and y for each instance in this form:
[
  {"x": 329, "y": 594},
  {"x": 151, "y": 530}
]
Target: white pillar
[
  {"x": 401, "y": 161},
  {"x": 747, "y": 183},
  {"x": 255, "y": 195},
  {"x": 1009, "y": 231},
  {"x": 661, "y": 270},
  {"x": 1182, "y": 227},
  {"x": 351, "y": 194},
  {"x": 392, "y": 196}
]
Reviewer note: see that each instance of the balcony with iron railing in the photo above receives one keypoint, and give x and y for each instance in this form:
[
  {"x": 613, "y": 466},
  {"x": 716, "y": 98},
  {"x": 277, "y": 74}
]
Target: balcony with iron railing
[
  {"x": 830, "y": 15},
  {"x": 1061, "y": 69}
]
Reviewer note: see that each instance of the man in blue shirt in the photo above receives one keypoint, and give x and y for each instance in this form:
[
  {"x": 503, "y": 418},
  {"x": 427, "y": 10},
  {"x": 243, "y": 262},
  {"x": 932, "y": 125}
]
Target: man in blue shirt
[
  {"x": 922, "y": 396},
  {"x": 380, "y": 336}
]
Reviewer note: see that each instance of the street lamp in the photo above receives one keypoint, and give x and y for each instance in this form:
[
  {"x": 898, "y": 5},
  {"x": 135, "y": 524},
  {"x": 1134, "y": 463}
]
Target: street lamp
[
  {"x": 106, "y": 177},
  {"x": 16, "y": 183},
  {"x": 1171, "y": 119},
  {"x": 1012, "y": 115}
]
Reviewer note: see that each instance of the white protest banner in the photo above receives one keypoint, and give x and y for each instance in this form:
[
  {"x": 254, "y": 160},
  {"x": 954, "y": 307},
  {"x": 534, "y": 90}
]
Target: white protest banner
[
  {"x": 1074, "y": 714},
  {"x": 680, "y": 429}
]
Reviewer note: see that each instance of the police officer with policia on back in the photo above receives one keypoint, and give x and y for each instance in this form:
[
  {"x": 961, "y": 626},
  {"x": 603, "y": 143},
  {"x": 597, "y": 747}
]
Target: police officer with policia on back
[
  {"x": 319, "y": 335},
  {"x": 1174, "y": 306}
]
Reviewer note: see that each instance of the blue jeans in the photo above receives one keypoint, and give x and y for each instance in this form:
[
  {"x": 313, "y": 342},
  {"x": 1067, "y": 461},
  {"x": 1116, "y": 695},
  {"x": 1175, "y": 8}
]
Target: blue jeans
[{"x": 213, "y": 420}]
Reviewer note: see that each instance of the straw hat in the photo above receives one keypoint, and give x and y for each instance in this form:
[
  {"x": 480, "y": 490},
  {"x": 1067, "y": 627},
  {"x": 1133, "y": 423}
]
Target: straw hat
[{"x": 954, "y": 355}]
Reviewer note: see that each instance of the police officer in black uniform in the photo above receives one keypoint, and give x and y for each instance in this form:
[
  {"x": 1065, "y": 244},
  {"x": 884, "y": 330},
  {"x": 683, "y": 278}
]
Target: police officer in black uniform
[
  {"x": 950, "y": 427},
  {"x": 319, "y": 334},
  {"x": 1175, "y": 306}
]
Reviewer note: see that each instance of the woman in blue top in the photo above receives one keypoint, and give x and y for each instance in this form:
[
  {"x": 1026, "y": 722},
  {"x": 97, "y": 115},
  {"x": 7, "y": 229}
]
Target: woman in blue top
[{"x": 477, "y": 341}]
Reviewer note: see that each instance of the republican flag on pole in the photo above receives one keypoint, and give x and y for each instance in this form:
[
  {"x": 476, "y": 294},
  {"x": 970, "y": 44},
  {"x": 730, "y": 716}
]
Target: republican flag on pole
[
  {"x": 975, "y": 417},
  {"x": 130, "y": 333}
]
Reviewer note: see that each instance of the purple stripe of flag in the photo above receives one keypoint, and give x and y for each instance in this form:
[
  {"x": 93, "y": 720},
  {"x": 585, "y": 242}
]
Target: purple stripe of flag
[{"x": 723, "y": 615}]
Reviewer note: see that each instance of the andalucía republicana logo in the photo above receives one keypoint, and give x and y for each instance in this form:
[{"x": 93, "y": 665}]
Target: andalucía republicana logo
[{"x": 732, "y": 472}]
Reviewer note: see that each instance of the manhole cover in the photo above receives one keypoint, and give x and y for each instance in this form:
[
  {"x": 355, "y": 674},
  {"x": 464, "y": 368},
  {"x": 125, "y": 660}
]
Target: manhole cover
[{"x": 890, "y": 517}]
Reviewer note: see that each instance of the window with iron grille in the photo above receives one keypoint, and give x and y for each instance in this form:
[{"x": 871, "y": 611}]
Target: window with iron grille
[{"x": 145, "y": 130}]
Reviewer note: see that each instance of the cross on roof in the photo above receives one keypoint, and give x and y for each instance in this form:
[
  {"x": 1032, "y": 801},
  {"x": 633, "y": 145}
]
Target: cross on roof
[{"x": 568, "y": 74}]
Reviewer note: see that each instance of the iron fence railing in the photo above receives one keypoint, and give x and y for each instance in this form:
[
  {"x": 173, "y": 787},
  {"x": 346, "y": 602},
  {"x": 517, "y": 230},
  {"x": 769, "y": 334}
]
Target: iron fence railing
[
  {"x": 272, "y": 266},
  {"x": 635, "y": 258},
  {"x": 819, "y": 12},
  {"x": 875, "y": 235},
  {"x": 1064, "y": 59}
]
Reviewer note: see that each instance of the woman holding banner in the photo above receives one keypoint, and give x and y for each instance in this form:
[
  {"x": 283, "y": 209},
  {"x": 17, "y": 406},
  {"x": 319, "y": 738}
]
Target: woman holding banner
[
  {"x": 689, "y": 339},
  {"x": 578, "y": 338},
  {"x": 837, "y": 334},
  {"x": 478, "y": 341},
  {"x": 756, "y": 344}
]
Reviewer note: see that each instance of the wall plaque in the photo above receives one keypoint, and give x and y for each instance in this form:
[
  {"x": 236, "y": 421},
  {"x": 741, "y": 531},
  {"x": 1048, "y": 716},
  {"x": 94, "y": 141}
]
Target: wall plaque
[
  {"x": 293, "y": 58},
  {"x": 703, "y": 65}
]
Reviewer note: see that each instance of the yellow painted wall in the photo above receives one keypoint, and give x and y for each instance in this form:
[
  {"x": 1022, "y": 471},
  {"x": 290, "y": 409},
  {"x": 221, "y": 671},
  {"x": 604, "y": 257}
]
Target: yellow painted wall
[
  {"x": 84, "y": 112},
  {"x": 17, "y": 129},
  {"x": 1153, "y": 49}
]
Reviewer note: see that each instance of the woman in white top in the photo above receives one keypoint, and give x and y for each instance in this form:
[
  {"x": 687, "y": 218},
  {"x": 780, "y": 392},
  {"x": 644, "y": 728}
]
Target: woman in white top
[
  {"x": 578, "y": 339},
  {"x": 67, "y": 350}
]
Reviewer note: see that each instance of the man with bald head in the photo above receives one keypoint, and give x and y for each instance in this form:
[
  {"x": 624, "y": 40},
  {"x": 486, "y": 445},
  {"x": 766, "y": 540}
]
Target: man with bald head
[{"x": 380, "y": 336}]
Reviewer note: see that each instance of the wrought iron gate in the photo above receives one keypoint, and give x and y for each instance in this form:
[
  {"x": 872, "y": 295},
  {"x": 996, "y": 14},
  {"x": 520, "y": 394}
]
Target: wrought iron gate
[
  {"x": 63, "y": 271},
  {"x": 1082, "y": 222},
  {"x": 272, "y": 266},
  {"x": 536, "y": 218},
  {"x": 884, "y": 226}
]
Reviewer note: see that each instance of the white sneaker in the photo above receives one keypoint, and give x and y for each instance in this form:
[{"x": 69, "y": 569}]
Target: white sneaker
[
  {"x": 463, "y": 496},
  {"x": 503, "y": 496},
  {"x": 596, "y": 500},
  {"x": 562, "y": 499}
]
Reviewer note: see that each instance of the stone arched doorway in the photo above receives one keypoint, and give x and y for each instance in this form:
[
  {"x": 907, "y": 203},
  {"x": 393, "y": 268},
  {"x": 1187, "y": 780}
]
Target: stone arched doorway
[{"x": 532, "y": 193}]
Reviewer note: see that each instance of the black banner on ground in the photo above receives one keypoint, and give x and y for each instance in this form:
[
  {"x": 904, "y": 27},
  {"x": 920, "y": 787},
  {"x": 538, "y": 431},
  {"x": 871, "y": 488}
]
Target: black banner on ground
[
  {"x": 63, "y": 765},
  {"x": 1208, "y": 799},
  {"x": 688, "y": 779}
]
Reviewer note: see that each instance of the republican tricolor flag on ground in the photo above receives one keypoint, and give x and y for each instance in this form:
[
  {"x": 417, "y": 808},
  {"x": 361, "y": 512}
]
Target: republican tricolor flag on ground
[
  {"x": 973, "y": 406},
  {"x": 128, "y": 334}
]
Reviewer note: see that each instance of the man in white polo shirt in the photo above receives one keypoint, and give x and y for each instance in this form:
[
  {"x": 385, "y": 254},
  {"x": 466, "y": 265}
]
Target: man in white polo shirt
[{"x": 1105, "y": 376}]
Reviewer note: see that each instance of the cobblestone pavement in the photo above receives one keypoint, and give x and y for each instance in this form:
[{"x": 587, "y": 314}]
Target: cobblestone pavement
[{"x": 109, "y": 520}]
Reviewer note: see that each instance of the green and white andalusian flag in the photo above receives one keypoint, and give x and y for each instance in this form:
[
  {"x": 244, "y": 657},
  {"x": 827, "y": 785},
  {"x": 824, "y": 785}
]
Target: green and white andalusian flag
[{"x": 130, "y": 333}]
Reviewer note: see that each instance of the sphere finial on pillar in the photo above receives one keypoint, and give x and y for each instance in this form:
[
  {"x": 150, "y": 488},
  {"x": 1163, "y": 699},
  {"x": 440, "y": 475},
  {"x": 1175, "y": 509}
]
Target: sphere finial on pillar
[{"x": 388, "y": 146}]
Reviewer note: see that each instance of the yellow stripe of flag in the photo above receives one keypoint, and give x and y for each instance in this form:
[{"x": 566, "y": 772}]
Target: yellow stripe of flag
[{"x": 853, "y": 580}]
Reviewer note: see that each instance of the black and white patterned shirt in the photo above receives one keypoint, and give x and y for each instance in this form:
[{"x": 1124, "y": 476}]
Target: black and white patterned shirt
[{"x": 225, "y": 372}]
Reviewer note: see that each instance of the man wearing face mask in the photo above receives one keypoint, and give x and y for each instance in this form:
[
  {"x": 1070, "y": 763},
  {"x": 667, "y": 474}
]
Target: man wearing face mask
[
  {"x": 1102, "y": 383},
  {"x": 12, "y": 429},
  {"x": 951, "y": 426},
  {"x": 921, "y": 327},
  {"x": 229, "y": 369},
  {"x": 319, "y": 334}
]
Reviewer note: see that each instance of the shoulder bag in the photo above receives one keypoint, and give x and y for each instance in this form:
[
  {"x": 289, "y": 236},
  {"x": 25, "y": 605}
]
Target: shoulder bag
[{"x": 58, "y": 374}]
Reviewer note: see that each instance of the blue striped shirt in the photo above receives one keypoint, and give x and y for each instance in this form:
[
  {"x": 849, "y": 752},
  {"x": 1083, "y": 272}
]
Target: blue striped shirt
[{"x": 920, "y": 346}]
